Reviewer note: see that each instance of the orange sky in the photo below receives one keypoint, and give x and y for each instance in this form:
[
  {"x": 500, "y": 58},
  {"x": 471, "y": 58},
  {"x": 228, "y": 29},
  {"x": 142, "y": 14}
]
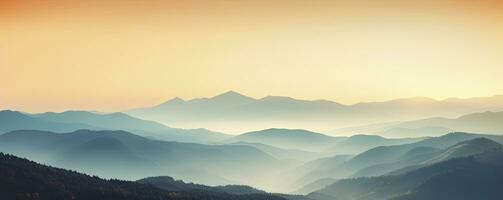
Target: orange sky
[{"x": 115, "y": 55}]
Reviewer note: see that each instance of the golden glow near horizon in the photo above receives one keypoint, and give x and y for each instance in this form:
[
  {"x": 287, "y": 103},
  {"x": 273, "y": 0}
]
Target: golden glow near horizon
[{"x": 116, "y": 55}]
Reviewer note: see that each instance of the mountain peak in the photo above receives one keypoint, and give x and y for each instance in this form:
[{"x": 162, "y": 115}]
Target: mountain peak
[
  {"x": 231, "y": 97},
  {"x": 176, "y": 100},
  {"x": 230, "y": 94}
]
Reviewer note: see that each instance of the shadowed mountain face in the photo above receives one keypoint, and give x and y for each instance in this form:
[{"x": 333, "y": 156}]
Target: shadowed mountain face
[
  {"x": 119, "y": 154},
  {"x": 25, "y": 180},
  {"x": 386, "y": 154},
  {"x": 424, "y": 156},
  {"x": 474, "y": 177},
  {"x": 289, "y": 139},
  {"x": 75, "y": 120},
  {"x": 385, "y": 159},
  {"x": 232, "y": 111},
  {"x": 484, "y": 122}
]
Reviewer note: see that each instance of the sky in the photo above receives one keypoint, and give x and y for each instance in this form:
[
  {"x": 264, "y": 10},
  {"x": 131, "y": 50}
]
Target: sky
[{"x": 116, "y": 55}]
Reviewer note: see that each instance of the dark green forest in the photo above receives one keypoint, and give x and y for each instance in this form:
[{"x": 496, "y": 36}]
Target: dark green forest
[{"x": 22, "y": 179}]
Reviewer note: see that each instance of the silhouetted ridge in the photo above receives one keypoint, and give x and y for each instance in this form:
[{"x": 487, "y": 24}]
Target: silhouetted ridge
[
  {"x": 168, "y": 183},
  {"x": 26, "y": 180}
]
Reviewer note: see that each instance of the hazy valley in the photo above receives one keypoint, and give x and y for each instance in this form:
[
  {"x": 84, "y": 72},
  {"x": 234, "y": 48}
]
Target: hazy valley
[{"x": 409, "y": 156}]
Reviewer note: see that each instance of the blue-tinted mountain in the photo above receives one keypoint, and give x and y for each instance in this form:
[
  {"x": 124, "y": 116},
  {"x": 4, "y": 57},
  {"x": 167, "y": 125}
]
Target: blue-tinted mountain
[
  {"x": 112, "y": 121},
  {"x": 74, "y": 120},
  {"x": 385, "y": 159},
  {"x": 25, "y": 180},
  {"x": 475, "y": 177},
  {"x": 462, "y": 149},
  {"x": 13, "y": 120},
  {"x": 120, "y": 154},
  {"x": 385, "y": 154},
  {"x": 360, "y": 143},
  {"x": 411, "y": 157},
  {"x": 289, "y": 139},
  {"x": 280, "y": 153}
]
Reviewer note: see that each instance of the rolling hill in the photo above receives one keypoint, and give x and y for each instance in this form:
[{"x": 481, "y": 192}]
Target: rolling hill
[
  {"x": 74, "y": 120},
  {"x": 424, "y": 156},
  {"x": 385, "y": 154},
  {"x": 384, "y": 159},
  {"x": 23, "y": 179},
  {"x": 119, "y": 154},
  {"x": 474, "y": 177},
  {"x": 359, "y": 143},
  {"x": 288, "y": 139},
  {"x": 13, "y": 120}
]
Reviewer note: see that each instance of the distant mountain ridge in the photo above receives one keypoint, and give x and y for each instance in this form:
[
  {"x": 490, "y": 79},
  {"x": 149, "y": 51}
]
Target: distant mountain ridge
[
  {"x": 288, "y": 139},
  {"x": 14, "y": 120},
  {"x": 74, "y": 120},
  {"x": 487, "y": 122},
  {"x": 234, "y": 112}
]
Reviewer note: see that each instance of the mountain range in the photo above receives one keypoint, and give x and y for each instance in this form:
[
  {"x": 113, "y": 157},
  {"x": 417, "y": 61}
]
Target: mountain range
[
  {"x": 472, "y": 177},
  {"x": 120, "y": 154},
  {"x": 385, "y": 159},
  {"x": 401, "y": 160},
  {"x": 483, "y": 122},
  {"x": 74, "y": 120},
  {"x": 465, "y": 170},
  {"x": 234, "y": 112}
]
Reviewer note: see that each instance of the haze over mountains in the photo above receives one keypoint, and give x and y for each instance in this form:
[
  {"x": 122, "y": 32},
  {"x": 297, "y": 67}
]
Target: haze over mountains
[
  {"x": 484, "y": 122},
  {"x": 74, "y": 120},
  {"x": 234, "y": 112},
  {"x": 389, "y": 160},
  {"x": 384, "y": 159},
  {"x": 472, "y": 177},
  {"x": 119, "y": 154},
  {"x": 23, "y": 179}
]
